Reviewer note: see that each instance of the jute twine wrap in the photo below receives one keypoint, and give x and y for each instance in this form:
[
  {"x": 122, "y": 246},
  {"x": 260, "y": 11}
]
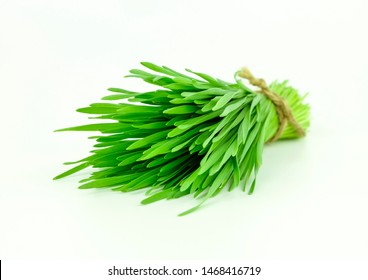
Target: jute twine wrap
[{"x": 285, "y": 115}]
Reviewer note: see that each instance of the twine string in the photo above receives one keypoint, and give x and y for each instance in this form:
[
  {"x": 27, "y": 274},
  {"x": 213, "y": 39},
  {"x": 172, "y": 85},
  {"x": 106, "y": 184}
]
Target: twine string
[{"x": 285, "y": 115}]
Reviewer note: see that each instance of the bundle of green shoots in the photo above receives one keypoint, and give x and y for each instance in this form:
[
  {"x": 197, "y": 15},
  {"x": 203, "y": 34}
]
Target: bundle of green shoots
[{"x": 193, "y": 135}]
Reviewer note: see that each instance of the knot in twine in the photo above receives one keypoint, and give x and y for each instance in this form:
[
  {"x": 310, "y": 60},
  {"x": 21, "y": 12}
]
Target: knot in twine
[{"x": 285, "y": 115}]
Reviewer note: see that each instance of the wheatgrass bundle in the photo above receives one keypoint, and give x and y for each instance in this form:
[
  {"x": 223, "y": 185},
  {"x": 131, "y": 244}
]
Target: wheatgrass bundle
[{"x": 194, "y": 134}]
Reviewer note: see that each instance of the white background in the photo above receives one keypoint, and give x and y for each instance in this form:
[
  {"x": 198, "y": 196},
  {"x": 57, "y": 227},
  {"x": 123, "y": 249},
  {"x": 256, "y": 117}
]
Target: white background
[{"x": 311, "y": 198}]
